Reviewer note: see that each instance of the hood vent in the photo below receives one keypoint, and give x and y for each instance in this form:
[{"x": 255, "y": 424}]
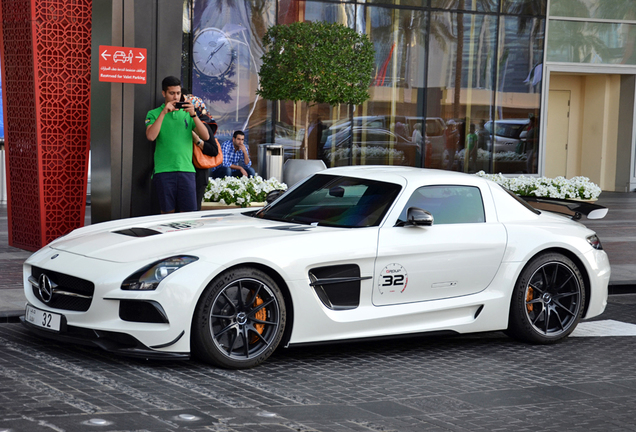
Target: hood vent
[{"x": 137, "y": 232}]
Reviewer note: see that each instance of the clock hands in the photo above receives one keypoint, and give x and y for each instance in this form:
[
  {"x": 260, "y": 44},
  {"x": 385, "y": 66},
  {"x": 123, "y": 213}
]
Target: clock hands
[{"x": 214, "y": 52}]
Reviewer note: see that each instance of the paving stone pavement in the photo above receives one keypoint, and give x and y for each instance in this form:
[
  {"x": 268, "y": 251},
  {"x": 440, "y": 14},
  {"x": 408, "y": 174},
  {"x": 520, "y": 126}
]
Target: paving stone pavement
[{"x": 484, "y": 382}]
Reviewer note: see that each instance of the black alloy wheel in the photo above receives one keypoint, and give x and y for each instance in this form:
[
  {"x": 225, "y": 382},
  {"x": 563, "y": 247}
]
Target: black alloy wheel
[
  {"x": 240, "y": 319},
  {"x": 548, "y": 300}
]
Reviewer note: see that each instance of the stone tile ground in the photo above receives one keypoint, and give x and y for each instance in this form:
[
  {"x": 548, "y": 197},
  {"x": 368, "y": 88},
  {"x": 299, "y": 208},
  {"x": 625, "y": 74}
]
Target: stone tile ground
[{"x": 484, "y": 382}]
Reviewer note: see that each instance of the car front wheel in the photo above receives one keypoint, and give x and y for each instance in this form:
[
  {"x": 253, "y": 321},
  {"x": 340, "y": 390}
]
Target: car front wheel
[
  {"x": 239, "y": 320},
  {"x": 548, "y": 299}
]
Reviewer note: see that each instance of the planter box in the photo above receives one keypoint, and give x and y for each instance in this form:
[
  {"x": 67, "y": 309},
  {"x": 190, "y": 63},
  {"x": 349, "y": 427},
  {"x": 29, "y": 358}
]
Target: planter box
[{"x": 219, "y": 206}]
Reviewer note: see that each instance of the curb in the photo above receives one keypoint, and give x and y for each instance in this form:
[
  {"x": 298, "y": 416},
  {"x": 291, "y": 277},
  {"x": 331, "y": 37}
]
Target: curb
[
  {"x": 10, "y": 316},
  {"x": 622, "y": 288}
]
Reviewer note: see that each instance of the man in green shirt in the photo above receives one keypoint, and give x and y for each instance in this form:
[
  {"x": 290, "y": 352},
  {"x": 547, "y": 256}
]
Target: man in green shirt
[
  {"x": 171, "y": 126},
  {"x": 470, "y": 156}
]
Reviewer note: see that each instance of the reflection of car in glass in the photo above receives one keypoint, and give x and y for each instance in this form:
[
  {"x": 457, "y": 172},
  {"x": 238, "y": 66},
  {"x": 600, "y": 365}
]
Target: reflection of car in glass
[
  {"x": 373, "y": 122},
  {"x": 369, "y": 146},
  {"x": 349, "y": 253},
  {"x": 508, "y": 133},
  {"x": 435, "y": 128}
]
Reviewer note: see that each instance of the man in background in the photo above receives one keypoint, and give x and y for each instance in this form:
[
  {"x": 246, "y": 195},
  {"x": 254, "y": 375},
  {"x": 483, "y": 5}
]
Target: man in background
[{"x": 236, "y": 159}]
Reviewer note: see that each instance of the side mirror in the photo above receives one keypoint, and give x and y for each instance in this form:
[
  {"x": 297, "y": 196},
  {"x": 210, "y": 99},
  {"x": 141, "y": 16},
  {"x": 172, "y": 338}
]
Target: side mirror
[
  {"x": 273, "y": 195},
  {"x": 418, "y": 217}
]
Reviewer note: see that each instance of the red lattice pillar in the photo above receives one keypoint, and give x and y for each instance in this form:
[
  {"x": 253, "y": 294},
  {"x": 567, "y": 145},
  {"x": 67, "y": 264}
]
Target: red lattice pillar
[{"x": 45, "y": 50}]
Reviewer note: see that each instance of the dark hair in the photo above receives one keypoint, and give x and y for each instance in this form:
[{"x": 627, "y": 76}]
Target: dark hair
[
  {"x": 237, "y": 133},
  {"x": 170, "y": 81}
]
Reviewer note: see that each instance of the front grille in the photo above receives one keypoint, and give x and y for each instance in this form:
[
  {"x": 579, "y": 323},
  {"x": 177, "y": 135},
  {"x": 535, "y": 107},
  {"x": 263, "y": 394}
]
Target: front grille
[{"x": 70, "y": 285}]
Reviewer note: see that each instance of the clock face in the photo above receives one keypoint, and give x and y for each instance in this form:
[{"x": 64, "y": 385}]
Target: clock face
[{"x": 212, "y": 52}]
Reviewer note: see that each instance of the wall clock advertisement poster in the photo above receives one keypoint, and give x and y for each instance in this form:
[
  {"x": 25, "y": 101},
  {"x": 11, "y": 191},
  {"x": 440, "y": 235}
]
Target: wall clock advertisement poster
[{"x": 225, "y": 38}]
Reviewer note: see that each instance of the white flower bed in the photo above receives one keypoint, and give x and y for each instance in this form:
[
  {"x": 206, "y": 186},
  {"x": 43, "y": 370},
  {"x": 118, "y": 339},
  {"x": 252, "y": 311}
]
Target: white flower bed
[
  {"x": 240, "y": 191},
  {"x": 483, "y": 155},
  {"x": 559, "y": 187},
  {"x": 369, "y": 152}
]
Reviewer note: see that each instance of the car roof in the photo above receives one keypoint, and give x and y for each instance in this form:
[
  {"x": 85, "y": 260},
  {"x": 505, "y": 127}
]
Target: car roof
[{"x": 397, "y": 174}]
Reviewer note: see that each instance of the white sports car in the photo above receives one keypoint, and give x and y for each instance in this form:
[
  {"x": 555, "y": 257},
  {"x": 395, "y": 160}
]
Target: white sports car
[{"x": 349, "y": 253}]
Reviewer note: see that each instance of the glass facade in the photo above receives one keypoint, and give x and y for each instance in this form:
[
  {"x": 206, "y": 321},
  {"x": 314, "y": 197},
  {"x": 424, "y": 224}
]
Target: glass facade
[
  {"x": 592, "y": 31},
  {"x": 455, "y": 86}
]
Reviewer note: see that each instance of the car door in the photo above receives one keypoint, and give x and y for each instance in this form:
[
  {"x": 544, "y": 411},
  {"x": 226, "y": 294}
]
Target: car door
[{"x": 458, "y": 255}]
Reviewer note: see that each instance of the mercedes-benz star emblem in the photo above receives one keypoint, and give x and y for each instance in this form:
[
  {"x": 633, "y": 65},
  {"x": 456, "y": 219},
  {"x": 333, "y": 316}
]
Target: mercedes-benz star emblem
[{"x": 46, "y": 288}]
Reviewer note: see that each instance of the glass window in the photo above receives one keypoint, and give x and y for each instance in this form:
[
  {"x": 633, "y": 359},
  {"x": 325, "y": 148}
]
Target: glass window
[
  {"x": 603, "y": 9},
  {"x": 588, "y": 42},
  {"x": 460, "y": 96},
  {"x": 228, "y": 80},
  {"x": 421, "y": 3},
  {"x": 520, "y": 69},
  {"x": 329, "y": 200},
  {"x": 448, "y": 204},
  {"x": 467, "y": 5},
  {"x": 324, "y": 119},
  {"x": 525, "y": 7},
  {"x": 384, "y": 128}
]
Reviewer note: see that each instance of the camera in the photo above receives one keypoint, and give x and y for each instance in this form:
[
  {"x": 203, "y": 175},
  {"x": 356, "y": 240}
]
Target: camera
[{"x": 179, "y": 105}]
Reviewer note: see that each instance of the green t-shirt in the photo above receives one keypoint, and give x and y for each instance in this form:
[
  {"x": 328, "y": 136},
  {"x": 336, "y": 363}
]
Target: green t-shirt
[
  {"x": 174, "y": 142},
  {"x": 471, "y": 140}
]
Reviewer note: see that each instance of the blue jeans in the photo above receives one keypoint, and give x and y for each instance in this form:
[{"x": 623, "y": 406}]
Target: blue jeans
[{"x": 225, "y": 171}]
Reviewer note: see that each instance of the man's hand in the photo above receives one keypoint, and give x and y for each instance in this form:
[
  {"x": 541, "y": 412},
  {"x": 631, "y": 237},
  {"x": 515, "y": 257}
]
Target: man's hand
[
  {"x": 240, "y": 169},
  {"x": 189, "y": 108},
  {"x": 241, "y": 147},
  {"x": 169, "y": 107}
]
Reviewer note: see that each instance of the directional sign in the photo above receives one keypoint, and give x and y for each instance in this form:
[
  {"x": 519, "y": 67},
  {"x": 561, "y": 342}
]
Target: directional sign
[{"x": 122, "y": 64}]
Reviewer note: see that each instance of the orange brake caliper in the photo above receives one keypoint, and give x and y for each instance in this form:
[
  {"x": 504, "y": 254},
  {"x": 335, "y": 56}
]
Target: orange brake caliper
[
  {"x": 529, "y": 297},
  {"x": 261, "y": 315}
]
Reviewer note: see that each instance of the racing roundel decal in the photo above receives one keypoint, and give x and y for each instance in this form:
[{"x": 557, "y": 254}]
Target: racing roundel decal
[{"x": 393, "y": 279}]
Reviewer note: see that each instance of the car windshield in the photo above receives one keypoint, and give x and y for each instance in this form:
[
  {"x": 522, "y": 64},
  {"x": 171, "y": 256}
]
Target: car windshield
[{"x": 332, "y": 200}]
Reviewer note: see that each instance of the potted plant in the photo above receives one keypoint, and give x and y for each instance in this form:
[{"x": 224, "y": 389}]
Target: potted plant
[
  {"x": 316, "y": 62},
  {"x": 577, "y": 188}
]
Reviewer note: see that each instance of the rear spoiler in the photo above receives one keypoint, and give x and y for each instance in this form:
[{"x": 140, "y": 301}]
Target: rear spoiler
[{"x": 574, "y": 209}]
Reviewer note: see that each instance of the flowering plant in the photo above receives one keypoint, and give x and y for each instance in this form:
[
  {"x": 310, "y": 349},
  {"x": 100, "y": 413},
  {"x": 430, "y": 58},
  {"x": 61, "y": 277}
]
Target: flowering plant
[
  {"x": 240, "y": 191},
  {"x": 558, "y": 187},
  {"x": 369, "y": 152},
  {"x": 483, "y": 155}
]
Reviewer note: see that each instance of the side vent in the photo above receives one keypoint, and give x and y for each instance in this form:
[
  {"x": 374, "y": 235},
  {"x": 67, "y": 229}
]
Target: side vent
[
  {"x": 142, "y": 311},
  {"x": 338, "y": 287}
]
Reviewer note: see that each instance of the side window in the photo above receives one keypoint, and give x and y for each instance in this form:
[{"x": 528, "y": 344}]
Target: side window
[{"x": 449, "y": 204}]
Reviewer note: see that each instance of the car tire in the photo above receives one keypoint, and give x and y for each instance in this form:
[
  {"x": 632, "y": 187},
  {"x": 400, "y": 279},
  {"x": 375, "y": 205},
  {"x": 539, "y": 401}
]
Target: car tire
[
  {"x": 548, "y": 300},
  {"x": 239, "y": 320}
]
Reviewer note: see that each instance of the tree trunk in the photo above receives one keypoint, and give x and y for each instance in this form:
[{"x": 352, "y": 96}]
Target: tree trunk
[
  {"x": 459, "y": 62},
  {"x": 306, "y": 138}
]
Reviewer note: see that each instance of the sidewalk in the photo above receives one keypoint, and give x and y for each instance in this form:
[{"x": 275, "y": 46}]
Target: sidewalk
[{"x": 617, "y": 232}]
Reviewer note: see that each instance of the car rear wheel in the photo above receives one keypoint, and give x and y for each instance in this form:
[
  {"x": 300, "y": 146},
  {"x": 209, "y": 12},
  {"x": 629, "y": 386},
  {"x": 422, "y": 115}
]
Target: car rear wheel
[
  {"x": 548, "y": 299},
  {"x": 239, "y": 320}
]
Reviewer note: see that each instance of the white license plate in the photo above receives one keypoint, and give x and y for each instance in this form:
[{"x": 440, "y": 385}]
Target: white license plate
[{"x": 43, "y": 319}]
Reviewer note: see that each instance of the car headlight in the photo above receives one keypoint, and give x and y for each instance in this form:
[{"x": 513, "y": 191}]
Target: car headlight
[
  {"x": 149, "y": 277},
  {"x": 594, "y": 241}
]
